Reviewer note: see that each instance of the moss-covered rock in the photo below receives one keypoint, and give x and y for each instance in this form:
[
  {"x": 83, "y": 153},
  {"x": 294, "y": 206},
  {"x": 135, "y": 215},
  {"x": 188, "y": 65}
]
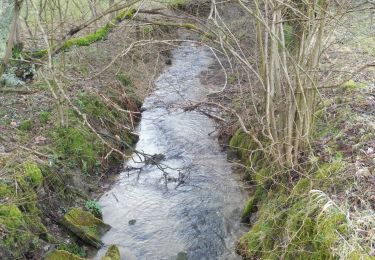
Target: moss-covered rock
[
  {"x": 33, "y": 174},
  {"x": 62, "y": 255},
  {"x": 86, "y": 226},
  {"x": 113, "y": 253},
  {"x": 11, "y": 216}
]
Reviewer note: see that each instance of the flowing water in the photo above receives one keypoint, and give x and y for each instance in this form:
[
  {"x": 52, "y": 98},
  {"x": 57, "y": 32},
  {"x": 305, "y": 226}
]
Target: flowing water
[{"x": 188, "y": 206}]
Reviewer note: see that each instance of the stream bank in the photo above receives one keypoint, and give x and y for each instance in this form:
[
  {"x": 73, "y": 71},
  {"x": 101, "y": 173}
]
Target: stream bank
[{"x": 47, "y": 168}]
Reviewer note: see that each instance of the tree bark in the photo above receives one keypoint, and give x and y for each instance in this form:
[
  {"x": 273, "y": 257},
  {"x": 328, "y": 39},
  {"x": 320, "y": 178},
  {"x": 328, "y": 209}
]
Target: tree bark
[{"x": 11, "y": 35}]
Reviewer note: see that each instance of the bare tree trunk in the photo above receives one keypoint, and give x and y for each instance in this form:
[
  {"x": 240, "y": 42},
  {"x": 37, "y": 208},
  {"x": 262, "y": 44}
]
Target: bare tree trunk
[
  {"x": 288, "y": 76},
  {"x": 11, "y": 35}
]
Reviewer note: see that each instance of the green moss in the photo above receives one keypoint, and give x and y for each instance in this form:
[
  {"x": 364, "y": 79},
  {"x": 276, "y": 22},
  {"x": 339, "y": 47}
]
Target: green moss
[
  {"x": 11, "y": 216},
  {"x": 113, "y": 253},
  {"x": 33, "y": 173},
  {"x": 16, "y": 238},
  {"x": 252, "y": 203},
  {"x": 249, "y": 208},
  {"x": 290, "y": 228},
  {"x": 351, "y": 85},
  {"x": 331, "y": 225},
  {"x": 301, "y": 229},
  {"x": 17, "y": 50},
  {"x": 79, "y": 145},
  {"x": 20, "y": 220},
  {"x": 189, "y": 26},
  {"x": 98, "y": 35},
  {"x": 25, "y": 125},
  {"x": 290, "y": 225},
  {"x": 73, "y": 248},
  {"x": 85, "y": 225},
  {"x": 62, "y": 255},
  {"x": 94, "y": 106},
  {"x": 261, "y": 239},
  {"x": 37, "y": 54},
  {"x": 5, "y": 190},
  {"x": 127, "y": 14},
  {"x": 241, "y": 144}
]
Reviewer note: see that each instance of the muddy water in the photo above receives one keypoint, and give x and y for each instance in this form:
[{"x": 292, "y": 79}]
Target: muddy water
[{"x": 189, "y": 206}]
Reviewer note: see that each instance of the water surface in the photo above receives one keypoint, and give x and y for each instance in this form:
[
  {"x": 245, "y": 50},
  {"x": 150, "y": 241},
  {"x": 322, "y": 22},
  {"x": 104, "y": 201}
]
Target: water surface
[{"x": 190, "y": 204}]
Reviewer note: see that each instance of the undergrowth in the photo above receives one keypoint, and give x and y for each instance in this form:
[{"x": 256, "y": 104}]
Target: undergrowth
[
  {"x": 21, "y": 228},
  {"x": 32, "y": 188},
  {"x": 295, "y": 218}
]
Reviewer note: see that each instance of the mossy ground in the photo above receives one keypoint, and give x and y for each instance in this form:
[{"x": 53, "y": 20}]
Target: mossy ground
[
  {"x": 46, "y": 169},
  {"x": 21, "y": 226},
  {"x": 307, "y": 217},
  {"x": 30, "y": 182},
  {"x": 317, "y": 210}
]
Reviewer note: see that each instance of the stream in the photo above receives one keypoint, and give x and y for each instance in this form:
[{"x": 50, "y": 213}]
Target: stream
[{"x": 189, "y": 205}]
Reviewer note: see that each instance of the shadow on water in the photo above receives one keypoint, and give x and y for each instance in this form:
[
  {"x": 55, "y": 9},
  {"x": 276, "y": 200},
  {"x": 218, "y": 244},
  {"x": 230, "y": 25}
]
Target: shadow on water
[{"x": 191, "y": 209}]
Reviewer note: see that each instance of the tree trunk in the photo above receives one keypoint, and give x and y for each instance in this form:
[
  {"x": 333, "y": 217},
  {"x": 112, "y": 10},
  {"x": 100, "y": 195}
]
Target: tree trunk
[{"x": 11, "y": 35}]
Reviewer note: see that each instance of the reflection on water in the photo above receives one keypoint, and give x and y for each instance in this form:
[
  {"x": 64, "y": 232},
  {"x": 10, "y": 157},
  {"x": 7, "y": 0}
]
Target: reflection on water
[{"x": 191, "y": 208}]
